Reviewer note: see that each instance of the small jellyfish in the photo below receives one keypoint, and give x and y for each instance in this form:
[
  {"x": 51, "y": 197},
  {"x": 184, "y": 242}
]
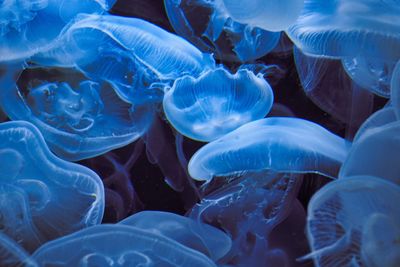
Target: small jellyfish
[
  {"x": 348, "y": 28},
  {"x": 193, "y": 234},
  {"x": 375, "y": 153},
  {"x": 12, "y": 255},
  {"x": 354, "y": 221},
  {"x": 118, "y": 246},
  {"x": 395, "y": 89},
  {"x": 277, "y": 143},
  {"x": 207, "y": 25},
  {"x": 267, "y": 15},
  {"x": 216, "y": 103},
  {"x": 79, "y": 118},
  {"x": 136, "y": 57},
  {"x": 30, "y": 26},
  {"x": 42, "y": 196}
]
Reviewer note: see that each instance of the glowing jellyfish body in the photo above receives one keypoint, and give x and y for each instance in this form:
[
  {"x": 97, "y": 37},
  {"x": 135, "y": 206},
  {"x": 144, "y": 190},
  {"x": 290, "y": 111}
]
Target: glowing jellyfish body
[
  {"x": 118, "y": 245},
  {"x": 346, "y": 219},
  {"x": 28, "y": 27},
  {"x": 196, "y": 235},
  {"x": 268, "y": 15},
  {"x": 208, "y": 26},
  {"x": 349, "y": 28},
  {"x": 131, "y": 54},
  {"x": 375, "y": 153},
  {"x": 11, "y": 254},
  {"x": 43, "y": 197},
  {"x": 216, "y": 103},
  {"x": 79, "y": 118},
  {"x": 395, "y": 89},
  {"x": 279, "y": 144}
]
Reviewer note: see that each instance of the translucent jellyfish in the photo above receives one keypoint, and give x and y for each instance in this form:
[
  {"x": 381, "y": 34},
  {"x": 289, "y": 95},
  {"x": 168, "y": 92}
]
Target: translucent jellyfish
[
  {"x": 216, "y": 103},
  {"x": 30, "y": 26},
  {"x": 355, "y": 221},
  {"x": 277, "y": 143},
  {"x": 11, "y": 254},
  {"x": 249, "y": 208},
  {"x": 78, "y": 117},
  {"x": 193, "y": 234},
  {"x": 207, "y": 25},
  {"x": 395, "y": 89},
  {"x": 135, "y": 56},
  {"x": 349, "y": 28},
  {"x": 268, "y": 15},
  {"x": 43, "y": 197},
  {"x": 118, "y": 246},
  {"x": 375, "y": 153}
]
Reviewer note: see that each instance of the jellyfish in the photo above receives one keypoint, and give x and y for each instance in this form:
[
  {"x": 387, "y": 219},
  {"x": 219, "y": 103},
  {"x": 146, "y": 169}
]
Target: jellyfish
[
  {"x": 375, "y": 153},
  {"x": 42, "y": 196},
  {"x": 281, "y": 144},
  {"x": 11, "y": 254},
  {"x": 118, "y": 245},
  {"x": 209, "y": 27},
  {"x": 248, "y": 208},
  {"x": 138, "y": 58},
  {"x": 79, "y": 118},
  {"x": 268, "y": 15},
  {"x": 193, "y": 234},
  {"x": 354, "y": 221},
  {"x": 216, "y": 103},
  {"x": 395, "y": 89},
  {"x": 28, "y": 27},
  {"x": 358, "y": 29}
]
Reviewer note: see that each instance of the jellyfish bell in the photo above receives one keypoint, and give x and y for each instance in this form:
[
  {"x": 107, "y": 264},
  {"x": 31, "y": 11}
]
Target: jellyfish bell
[
  {"x": 216, "y": 103},
  {"x": 395, "y": 89}
]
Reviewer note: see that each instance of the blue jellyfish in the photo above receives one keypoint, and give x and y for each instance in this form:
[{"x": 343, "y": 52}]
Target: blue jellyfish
[
  {"x": 119, "y": 246},
  {"x": 135, "y": 56},
  {"x": 349, "y": 29},
  {"x": 79, "y": 118},
  {"x": 395, "y": 89},
  {"x": 11, "y": 254},
  {"x": 209, "y": 27},
  {"x": 193, "y": 234},
  {"x": 43, "y": 197},
  {"x": 375, "y": 153},
  {"x": 278, "y": 143},
  {"x": 28, "y": 27},
  {"x": 268, "y": 15},
  {"x": 249, "y": 208},
  {"x": 354, "y": 221},
  {"x": 216, "y": 103}
]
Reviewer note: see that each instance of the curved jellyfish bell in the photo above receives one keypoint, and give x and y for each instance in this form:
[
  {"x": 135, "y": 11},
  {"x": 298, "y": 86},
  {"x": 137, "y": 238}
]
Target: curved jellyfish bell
[
  {"x": 268, "y": 15},
  {"x": 135, "y": 56},
  {"x": 346, "y": 28},
  {"x": 207, "y": 25},
  {"x": 28, "y": 27},
  {"x": 78, "y": 117},
  {"x": 277, "y": 143},
  {"x": 118, "y": 245},
  {"x": 355, "y": 221},
  {"x": 395, "y": 90},
  {"x": 42, "y": 196},
  {"x": 217, "y": 102},
  {"x": 193, "y": 234}
]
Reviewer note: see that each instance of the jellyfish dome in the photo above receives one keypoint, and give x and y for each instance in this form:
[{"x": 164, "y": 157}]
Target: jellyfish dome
[
  {"x": 207, "y": 25},
  {"x": 43, "y": 197},
  {"x": 268, "y": 15},
  {"x": 395, "y": 90},
  {"x": 349, "y": 28},
  {"x": 193, "y": 234},
  {"x": 277, "y": 143},
  {"x": 346, "y": 219},
  {"x": 217, "y": 102},
  {"x": 28, "y": 27},
  {"x": 130, "y": 53},
  {"x": 118, "y": 245},
  {"x": 78, "y": 117}
]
